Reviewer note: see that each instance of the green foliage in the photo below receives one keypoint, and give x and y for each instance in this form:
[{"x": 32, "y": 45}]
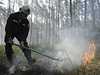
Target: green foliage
[
  {"x": 42, "y": 47},
  {"x": 39, "y": 48},
  {"x": 2, "y": 48},
  {"x": 16, "y": 48},
  {"x": 2, "y": 55}
]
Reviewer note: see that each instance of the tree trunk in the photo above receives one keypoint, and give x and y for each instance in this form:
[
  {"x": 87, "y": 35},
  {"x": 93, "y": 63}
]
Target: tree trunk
[
  {"x": 99, "y": 9},
  {"x": 85, "y": 14},
  {"x": 58, "y": 21},
  {"x": 71, "y": 20},
  {"x": 49, "y": 23},
  {"x": 31, "y": 35},
  {"x": 93, "y": 14},
  {"x": 9, "y": 9}
]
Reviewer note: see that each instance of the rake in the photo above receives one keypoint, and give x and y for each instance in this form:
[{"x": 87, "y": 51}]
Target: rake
[{"x": 33, "y": 50}]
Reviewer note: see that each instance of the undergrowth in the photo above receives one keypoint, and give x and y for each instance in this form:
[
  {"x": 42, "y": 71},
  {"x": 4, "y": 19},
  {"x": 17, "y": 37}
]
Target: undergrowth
[{"x": 92, "y": 68}]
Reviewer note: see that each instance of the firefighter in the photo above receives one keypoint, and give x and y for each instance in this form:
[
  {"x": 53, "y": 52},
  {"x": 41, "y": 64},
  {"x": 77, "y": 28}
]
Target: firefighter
[{"x": 18, "y": 26}]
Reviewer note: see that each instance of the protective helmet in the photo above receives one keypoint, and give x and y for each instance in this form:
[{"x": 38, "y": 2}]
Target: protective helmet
[{"x": 25, "y": 9}]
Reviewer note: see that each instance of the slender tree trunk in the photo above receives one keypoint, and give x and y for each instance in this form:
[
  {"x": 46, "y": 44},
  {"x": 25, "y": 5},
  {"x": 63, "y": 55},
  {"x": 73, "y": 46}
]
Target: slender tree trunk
[
  {"x": 37, "y": 33},
  {"x": 99, "y": 9},
  {"x": 71, "y": 20},
  {"x": 9, "y": 9},
  {"x": 56, "y": 25},
  {"x": 85, "y": 14},
  {"x": 58, "y": 20},
  {"x": 31, "y": 38},
  {"x": 53, "y": 25},
  {"x": 37, "y": 27},
  {"x": 31, "y": 35},
  {"x": 1, "y": 34},
  {"x": 46, "y": 28},
  {"x": 93, "y": 14},
  {"x": 40, "y": 33},
  {"x": 67, "y": 20},
  {"x": 49, "y": 22},
  {"x": 65, "y": 26}
]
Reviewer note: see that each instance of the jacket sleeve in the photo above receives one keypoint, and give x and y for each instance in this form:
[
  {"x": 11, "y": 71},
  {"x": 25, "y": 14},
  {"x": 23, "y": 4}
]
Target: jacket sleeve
[
  {"x": 25, "y": 33},
  {"x": 8, "y": 26}
]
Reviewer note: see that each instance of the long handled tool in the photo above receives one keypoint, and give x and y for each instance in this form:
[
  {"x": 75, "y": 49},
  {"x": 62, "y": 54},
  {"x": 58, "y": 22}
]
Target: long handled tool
[{"x": 33, "y": 50}]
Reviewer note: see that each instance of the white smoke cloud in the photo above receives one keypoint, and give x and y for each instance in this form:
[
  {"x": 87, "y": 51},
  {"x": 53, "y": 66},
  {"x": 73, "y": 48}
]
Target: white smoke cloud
[
  {"x": 19, "y": 62},
  {"x": 72, "y": 46}
]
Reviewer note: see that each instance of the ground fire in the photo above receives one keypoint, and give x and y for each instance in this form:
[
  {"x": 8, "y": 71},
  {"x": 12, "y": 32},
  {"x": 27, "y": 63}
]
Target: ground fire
[{"x": 89, "y": 55}]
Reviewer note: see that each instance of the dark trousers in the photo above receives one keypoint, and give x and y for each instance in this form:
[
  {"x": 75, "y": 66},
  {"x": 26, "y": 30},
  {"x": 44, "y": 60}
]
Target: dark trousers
[{"x": 9, "y": 50}]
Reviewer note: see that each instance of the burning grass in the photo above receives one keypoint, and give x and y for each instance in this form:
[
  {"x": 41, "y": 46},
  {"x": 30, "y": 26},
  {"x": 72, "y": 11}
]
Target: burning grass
[
  {"x": 90, "y": 66},
  {"x": 89, "y": 55}
]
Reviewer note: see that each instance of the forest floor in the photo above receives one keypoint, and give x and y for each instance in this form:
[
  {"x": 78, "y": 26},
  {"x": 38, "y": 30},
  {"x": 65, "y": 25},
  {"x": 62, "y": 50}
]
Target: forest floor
[{"x": 93, "y": 68}]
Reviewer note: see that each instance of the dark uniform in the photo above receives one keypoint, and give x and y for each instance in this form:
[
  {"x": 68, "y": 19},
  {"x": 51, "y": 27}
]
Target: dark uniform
[{"x": 19, "y": 29}]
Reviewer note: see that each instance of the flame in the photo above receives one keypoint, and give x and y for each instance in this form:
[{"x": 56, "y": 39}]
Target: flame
[{"x": 89, "y": 55}]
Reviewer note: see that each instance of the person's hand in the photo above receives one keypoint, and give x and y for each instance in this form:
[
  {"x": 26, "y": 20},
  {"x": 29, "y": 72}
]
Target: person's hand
[
  {"x": 10, "y": 41},
  {"x": 22, "y": 44}
]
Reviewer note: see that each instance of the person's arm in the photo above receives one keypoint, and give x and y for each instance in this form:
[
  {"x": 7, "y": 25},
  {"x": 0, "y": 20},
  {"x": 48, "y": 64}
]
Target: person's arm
[
  {"x": 8, "y": 27},
  {"x": 24, "y": 37},
  {"x": 25, "y": 33}
]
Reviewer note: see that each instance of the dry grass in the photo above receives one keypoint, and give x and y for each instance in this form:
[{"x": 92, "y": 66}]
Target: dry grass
[{"x": 92, "y": 68}]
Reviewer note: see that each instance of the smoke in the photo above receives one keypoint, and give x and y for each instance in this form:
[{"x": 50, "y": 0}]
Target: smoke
[
  {"x": 19, "y": 62},
  {"x": 12, "y": 69},
  {"x": 73, "y": 44}
]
